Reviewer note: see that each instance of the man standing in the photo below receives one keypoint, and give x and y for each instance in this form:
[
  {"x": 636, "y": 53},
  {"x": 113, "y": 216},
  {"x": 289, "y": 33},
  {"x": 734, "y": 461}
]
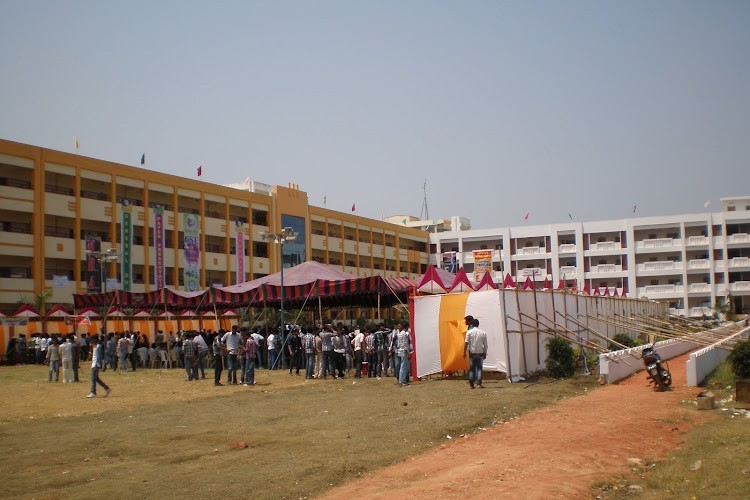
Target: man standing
[
  {"x": 371, "y": 354},
  {"x": 96, "y": 364},
  {"x": 122, "y": 349},
  {"x": 476, "y": 344},
  {"x": 232, "y": 342},
  {"x": 200, "y": 343},
  {"x": 258, "y": 338},
  {"x": 339, "y": 352},
  {"x": 318, "y": 353},
  {"x": 326, "y": 339},
  {"x": 403, "y": 352},
  {"x": 294, "y": 349},
  {"x": 308, "y": 345},
  {"x": 66, "y": 356},
  {"x": 357, "y": 342},
  {"x": 271, "y": 341},
  {"x": 251, "y": 352},
  {"x": 218, "y": 359},
  {"x": 190, "y": 352}
]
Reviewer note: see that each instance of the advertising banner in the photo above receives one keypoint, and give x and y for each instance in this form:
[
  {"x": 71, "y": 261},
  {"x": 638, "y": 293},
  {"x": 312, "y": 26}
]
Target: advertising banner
[
  {"x": 450, "y": 262},
  {"x": 482, "y": 263},
  {"x": 239, "y": 246},
  {"x": 126, "y": 238},
  {"x": 159, "y": 268},
  {"x": 93, "y": 270},
  {"x": 191, "y": 251}
]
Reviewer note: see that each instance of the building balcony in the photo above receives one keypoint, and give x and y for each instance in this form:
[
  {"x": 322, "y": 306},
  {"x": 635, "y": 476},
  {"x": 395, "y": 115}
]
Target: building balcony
[
  {"x": 605, "y": 268},
  {"x": 699, "y": 312},
  {"x": 533, "y": 271},
  {"x": 531, "y": 251},
  {"x": 605, "y": 245},
  {"x": 568, "y": 271},
  {"x": 699, "y": 288},
  {"x": 699, "y": 264},
  {"x": 468, "y": 257},
  {"x": 676, "y": 312},
  {"x": 660, "y": 266},
  {"x": 657, "y": 291},
  {"x": 739, "y": 262},
  {"x": 696, "y": 241},
  {"x": 739, "y": 286},
  {"x": 657, "y": 244},
  {"x": 738, "y": 238},
  {"x": 567, "y": 248}
]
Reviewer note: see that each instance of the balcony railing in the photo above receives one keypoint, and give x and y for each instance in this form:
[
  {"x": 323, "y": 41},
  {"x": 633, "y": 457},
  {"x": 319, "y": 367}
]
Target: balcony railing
[
  {"x": 656, "y": 243},
  {"x": 567, "y": 248},
  {"x": 739, "y": 286},
  {"x": 605, "y": 245},
  {"x": 739, "y": 238},
  {"x": 699, "y": 287},
  {"x": 667, "y": 265},
  {"x": 699, "y": 264},
  {"x": 606, "y": 268},
  {"x": 568, "y": 271},
  {"x": 699, "y": 312},
  {"x": 697, "y": 240},
  {"x": 529, "y": 271},
  {"x": 739, "y": 262},
  {"x": 651, "y": 291},
  {"x": 531, "y": 250}
]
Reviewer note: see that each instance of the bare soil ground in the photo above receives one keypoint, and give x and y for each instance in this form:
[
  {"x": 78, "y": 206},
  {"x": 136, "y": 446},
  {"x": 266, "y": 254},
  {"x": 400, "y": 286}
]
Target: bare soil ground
[{"x": 553, "y": 452}]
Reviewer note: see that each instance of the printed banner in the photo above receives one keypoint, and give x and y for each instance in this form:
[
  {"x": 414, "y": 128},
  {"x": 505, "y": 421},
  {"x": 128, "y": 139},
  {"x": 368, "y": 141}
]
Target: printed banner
[
  {"x": 482, "y": 263},
  {"x": 191, "y": 251},
  {"x": 93, "y": 269},
  {"x": 450, "y": 263},
  {"x": 159, "y": 268},
  {"x": 126, "y": 239},
  {"x": 239, "y": 246}
]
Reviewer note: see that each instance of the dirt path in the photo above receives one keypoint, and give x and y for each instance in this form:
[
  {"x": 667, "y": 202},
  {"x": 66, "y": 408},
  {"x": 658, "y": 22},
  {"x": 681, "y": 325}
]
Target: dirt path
[{"x": 556, "y": 452}]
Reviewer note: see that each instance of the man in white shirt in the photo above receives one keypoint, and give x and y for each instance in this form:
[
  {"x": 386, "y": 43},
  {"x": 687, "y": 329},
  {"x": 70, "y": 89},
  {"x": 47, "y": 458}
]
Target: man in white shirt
[
  {"x": 96, "y": 363},
  {"x": 271, "y": 341},
  {"x": 357, "y": 342},
  {"x": 66, "y": 356},
  {"x": 476, "y": 344},
  {"x": 232, "y": 342}
]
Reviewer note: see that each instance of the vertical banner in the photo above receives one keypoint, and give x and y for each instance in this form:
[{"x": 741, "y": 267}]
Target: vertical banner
[
  {"x": 93, "y": 270},
  {"x": 482, "y": 263},
  {"x": 239, "y": 249},
  {"x": 159, "y": 268},
  {"x": 449, "y": 262},
  {"x": 126, "y": 239},
  {"x": 191, "y": 251}
]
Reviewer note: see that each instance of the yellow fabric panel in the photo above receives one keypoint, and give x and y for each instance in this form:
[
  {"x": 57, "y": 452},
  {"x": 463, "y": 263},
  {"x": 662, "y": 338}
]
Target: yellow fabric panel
[
  {"x": 209, "y": 324},
  {"x": 452, "y": 312},
  {"x": 4, "y": 338}
]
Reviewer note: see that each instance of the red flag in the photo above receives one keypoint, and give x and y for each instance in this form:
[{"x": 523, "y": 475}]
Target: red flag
[
  {"x": 527, "y": 216},
  {"x": 546, "y": 285},
  {"x": 586, "y": 288},
  {"x": 528, "y": 285},
  {"x": 354, "y": 207},
  {"x": 606, "y": 291},
  {"x": 200, "y": 170}
]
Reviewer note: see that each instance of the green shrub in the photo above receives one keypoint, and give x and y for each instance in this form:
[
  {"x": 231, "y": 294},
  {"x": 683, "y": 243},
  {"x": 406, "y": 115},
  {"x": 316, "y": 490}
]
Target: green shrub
[
  {"x": 740, "y": 360},
  {"x": 624, "y": 339},
  {"x": 561, "y": 361}
]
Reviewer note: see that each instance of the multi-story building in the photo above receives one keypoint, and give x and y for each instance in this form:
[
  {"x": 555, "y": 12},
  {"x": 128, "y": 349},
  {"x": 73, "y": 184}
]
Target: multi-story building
[
  {"x": 692, "y": 261},
  {"x": 54, "y": 206}
]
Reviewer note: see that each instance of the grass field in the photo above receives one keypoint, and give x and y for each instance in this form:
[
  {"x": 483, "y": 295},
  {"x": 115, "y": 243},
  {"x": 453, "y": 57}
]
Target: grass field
[
  {"x": 713, "y": 463},
  {"x": 157, "y": 434}
]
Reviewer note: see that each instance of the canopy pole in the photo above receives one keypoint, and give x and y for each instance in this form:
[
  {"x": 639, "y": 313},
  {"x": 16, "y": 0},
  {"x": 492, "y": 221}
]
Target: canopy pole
[
  {"x": 505, "y": 335},
  {"x": 523, "y": 341}
]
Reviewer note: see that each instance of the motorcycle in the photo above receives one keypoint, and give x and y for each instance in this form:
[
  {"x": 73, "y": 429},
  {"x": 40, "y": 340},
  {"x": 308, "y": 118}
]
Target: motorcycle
[{"x": 658, "y": 374}]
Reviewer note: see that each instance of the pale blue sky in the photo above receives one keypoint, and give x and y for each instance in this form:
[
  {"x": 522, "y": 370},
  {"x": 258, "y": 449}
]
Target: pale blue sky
[{"x": 582, "y": 107}]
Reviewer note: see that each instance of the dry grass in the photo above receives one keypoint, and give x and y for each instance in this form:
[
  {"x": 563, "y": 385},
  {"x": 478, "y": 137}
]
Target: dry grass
[{"x": 284, "y": 438}]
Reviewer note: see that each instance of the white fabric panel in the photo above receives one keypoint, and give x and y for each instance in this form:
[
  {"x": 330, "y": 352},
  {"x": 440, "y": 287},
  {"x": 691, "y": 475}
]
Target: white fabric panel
[
  {"x": 486, "y": 307},
  {"x": 508, "y": 299},
  {"x": 526, "y": 301},
  {"x": 427, "y": 334}
]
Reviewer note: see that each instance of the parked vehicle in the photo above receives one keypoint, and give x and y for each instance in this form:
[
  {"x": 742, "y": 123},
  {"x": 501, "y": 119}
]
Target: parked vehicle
[{"x": 657, "y": 372}]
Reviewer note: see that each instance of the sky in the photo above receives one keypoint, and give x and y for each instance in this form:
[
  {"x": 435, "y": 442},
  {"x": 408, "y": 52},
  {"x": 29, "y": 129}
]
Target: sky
[{"x": 504, "y": 108}]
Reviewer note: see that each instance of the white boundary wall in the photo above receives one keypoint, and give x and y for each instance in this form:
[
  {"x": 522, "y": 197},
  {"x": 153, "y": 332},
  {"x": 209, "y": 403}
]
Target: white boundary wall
[
  {"x": 702, "y": 362},
  {"x": 617, "y": 365}
]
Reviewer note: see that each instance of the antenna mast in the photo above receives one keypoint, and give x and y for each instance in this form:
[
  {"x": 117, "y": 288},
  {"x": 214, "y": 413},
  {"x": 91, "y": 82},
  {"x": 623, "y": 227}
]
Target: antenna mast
[{"x": 425, "y": 213}]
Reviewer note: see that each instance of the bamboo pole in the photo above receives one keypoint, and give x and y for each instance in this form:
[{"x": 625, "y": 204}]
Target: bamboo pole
[{"x": 523, "y": 342}]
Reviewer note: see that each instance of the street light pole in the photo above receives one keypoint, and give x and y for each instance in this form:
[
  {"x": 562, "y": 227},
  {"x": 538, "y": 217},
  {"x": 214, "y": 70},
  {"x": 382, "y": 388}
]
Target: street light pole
[
  {"x": 109, "y": 255},
  {"x": 286, "y": 234}
]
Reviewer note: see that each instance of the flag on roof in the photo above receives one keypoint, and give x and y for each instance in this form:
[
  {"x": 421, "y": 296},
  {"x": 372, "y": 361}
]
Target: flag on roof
[
  {"x": 200, "y": 170},
  {"x": 143, "y": 159},
  {"x": 354, "y": 207}
]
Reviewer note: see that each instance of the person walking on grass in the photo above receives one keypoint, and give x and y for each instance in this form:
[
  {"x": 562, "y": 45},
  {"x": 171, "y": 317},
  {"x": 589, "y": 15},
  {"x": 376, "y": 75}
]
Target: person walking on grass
[
  {"x": 218, "y": 347},
  {"x": 66, "y": 357},
  {"x": 96, "y": 363},
  {"x": 251, "y": 353},
  {"x": 476, "y": 345},
  {"x": 403, "y": 351},
  {"x": 53, "y": 357},
  {"x": 231, "y": 341},
  {"x": 190, "y": 351}
]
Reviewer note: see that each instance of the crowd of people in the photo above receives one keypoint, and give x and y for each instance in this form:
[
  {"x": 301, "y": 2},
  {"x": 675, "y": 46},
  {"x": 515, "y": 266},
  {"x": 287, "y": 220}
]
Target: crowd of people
[
  {"x": 318, "y": 353},
  {"x": 322, "y": 353}
]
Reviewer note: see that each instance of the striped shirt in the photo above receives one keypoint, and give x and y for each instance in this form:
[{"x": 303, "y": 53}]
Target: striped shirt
[
  {"x": 326, "y": 338},
  {"x": 251, "y": 349},
  {"x": 308, "y": 343},
  {"x": 189, "y": 349},
  {"x": 370, "y": 342},
  {"x": 403, "y": 342}
]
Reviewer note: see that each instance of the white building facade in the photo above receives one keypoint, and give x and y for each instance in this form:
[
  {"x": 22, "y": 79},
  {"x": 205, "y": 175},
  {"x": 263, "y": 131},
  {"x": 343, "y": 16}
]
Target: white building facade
[{"x": 691, "y": 261}]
